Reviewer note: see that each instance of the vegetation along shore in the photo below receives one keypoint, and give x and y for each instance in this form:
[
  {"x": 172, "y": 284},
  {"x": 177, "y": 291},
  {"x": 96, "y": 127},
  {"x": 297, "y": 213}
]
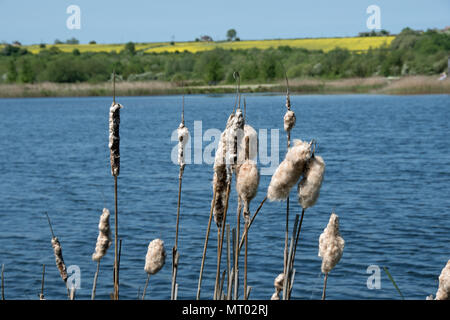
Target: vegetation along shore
[{"x": 411, "y": 62}]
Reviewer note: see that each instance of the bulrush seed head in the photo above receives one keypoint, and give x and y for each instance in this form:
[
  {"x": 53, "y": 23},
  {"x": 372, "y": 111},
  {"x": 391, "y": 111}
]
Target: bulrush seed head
[
  {"x": 289, "y": 171},
  {"x": 331, "y": 244},
  {"x": 443, "y": 292},
  {"x": 59, "y": 258},
  {"x": 156, "y": 256},
  {"x": 183, "y": 138},
  {"x": 114, "y": 138},
  {"x": 309, "y": 186},
  {"x": 104, "y": 236},
  {"x": 289, "y": 120}
]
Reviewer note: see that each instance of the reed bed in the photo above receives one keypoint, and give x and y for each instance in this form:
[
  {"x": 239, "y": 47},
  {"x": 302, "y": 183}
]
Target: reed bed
[{"x": 234, "y": 157}]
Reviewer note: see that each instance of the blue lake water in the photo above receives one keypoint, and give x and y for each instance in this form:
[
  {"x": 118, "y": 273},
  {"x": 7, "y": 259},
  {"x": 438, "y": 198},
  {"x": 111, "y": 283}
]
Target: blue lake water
[{"x": 387, "y": 175}]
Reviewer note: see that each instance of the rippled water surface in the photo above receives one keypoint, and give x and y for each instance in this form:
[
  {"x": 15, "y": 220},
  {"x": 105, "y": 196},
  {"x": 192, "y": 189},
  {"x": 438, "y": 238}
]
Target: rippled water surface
[{"x": 388, "y": 177}]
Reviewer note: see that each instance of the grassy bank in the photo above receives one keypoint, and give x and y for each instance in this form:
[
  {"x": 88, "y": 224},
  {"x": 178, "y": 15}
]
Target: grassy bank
[{"x": 381, "y": 85}]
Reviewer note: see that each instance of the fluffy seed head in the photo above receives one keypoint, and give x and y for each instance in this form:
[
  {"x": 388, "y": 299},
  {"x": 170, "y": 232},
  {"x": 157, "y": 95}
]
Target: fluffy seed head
[
  {"x": 59, "y": 258},
  {"x": 104, "y": 236},
  {"x": 183, "y": 138},
  {"x": 309, "y": 186},
  {"x": 275, "y": 296},
  {"x": 289, "y": 120},
  {"x": 156, "y": 256},
  {"x": 443, "y": 292},
  {"x": 289, "y": 171},
  {"x": 331, "y": 244},
  {"x": 279, "y": 281},
  {"x": 247, "y": 182},
  {"x": 114, "y": 137}
]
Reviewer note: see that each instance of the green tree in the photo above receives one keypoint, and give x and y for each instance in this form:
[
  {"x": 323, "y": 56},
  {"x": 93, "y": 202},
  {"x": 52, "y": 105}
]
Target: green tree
[
  {"x": 72, "y": 41},
  {"x": 27, "y": 74},
  {"x": 12, "y": 72},
  {"x": 130, "y": 48},
  {"x": 231, "y": 34}
]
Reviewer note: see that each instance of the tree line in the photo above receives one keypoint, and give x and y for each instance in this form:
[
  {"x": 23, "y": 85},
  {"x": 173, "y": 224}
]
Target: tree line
[{"x": 411, "y": 52}]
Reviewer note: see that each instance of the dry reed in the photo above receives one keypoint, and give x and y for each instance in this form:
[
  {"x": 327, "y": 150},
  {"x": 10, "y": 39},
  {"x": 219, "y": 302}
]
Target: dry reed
[{"x": 183, "y": 137}]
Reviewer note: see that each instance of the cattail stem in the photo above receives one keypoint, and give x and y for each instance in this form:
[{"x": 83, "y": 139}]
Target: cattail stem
[
  {"x": 94, "y": 286},
  {"x": 228, "y": 259},
  {"x": 205, "y": 246},
  {"x": 41, "y": 296},
  {"x": 251, "y": 221},
  {"x": 286, "y": 237},
  {"x": 175, "y": 255},
  {"x": 292, "y": 260},
  {"x": 233, "y": 274},
  {"x": 3, "y": 282},
  {"x": 145, "y": 287},
  {"x": 245, "y": 261},
  {"x": 116, "y": 237},
  {"x": 324, "y": 286},
  {"x": 175, "y": 258},
  {"x": 220, "y": 245},
  {"x": 236, "y": 252},
  {"x": 288, "y": 268}
]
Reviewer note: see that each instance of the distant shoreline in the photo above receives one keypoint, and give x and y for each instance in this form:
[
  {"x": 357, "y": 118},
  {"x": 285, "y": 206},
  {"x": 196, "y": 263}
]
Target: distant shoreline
[{"x": 375, "y": 85}]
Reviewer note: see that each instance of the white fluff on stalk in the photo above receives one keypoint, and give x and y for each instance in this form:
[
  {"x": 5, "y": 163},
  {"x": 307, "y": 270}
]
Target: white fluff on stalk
[
  {"x": 443, "y": 292},
  {"x": 289, "y": 171},
  {"x": 183, "y": 138},
  {"x": 289, "y": 120},
  {"x": 104, "y": 236},
  {"x": 309, "y": 186},
  {"x": 275, "y": 296},
  {"x": 156, "y": 256},
  {"x": 331, "y": 244},
  {"x": 279, "y": 281},
  {"x": 247, "y": 182}
]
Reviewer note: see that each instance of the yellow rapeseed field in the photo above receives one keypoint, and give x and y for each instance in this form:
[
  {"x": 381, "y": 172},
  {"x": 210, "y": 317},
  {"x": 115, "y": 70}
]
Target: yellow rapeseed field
[{"x": 325, "y": 44}]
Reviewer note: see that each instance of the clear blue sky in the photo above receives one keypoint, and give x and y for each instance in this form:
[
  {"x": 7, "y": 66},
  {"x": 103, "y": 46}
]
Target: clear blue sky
[{"x": 36, "y": 21}]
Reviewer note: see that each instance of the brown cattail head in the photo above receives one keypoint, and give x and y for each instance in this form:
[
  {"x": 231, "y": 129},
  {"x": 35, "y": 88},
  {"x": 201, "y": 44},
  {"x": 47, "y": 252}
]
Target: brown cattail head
[
  {"x": 251, "y": 135},
  {"x": 183, "y": 138},
  {"x": 289, "y": 120},
  {"x": 247, "y": 182},
  {"x": 309, "y": 186},
  {"x": 114, "y": 138},
  {"x": 104, "y": 236},
  {"x": 59, "y": 258},
  {"x": 156, "y": 256},
  {"x": 443, "y": 292},
  {"x": 331, "y": 244},
  {"x": 289, "y": 171},
  {"x": 234, "y": 135},
  {"x": 221, "y": 173}
]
